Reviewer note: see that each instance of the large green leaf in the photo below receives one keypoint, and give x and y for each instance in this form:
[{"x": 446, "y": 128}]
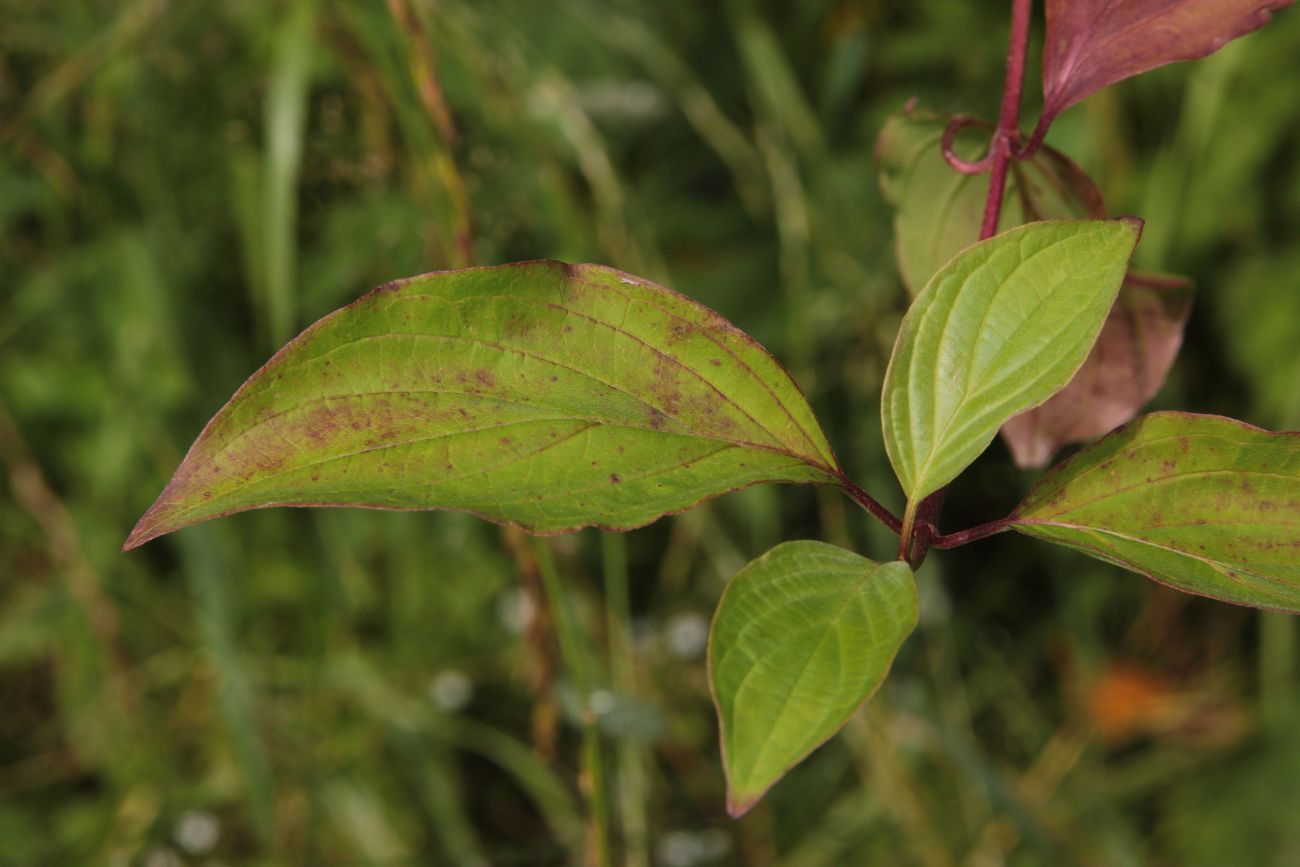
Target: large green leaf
[
  {"x": 997, "y": 330},
  {"x": 938, "y": 210},
  {"x": 802, "y": 637},
  {"x": 540, "y": 394},
  {"x": 1206, "y": 504}
]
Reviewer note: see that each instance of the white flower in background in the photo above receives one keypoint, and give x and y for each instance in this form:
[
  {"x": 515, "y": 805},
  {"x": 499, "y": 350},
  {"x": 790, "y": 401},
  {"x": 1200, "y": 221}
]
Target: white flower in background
[
  {"x": 691, "y": 848},
  {"x": 687, "y": 635},
  {"x": 515, "y": 611},
  {"x": 196, "y": 831},
  {"x": 451, "y": 690}
]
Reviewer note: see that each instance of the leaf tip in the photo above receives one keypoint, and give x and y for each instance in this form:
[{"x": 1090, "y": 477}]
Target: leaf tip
[
  {"x": 145, "y": 530},
  {"x": 1135, "y": 224},
  {"x": 738, "y": 806},
  {"x": 158, "y": 520}
]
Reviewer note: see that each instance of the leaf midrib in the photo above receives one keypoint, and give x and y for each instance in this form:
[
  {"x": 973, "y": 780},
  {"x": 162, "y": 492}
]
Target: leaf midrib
[
  {"x": 265, "y": 479},
  {"x": 941, "y": 435},
  {"x": 1217, "y": 565}
]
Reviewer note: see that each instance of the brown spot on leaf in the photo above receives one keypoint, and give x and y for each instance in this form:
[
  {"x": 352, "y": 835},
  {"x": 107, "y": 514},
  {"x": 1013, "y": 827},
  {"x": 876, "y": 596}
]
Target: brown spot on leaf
[{"x": 615, "y": 478}]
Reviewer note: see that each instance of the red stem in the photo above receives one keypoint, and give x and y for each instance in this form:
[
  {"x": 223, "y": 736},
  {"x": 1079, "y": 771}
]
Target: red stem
[
  {"x": 1008, "y": 130},
  {"x": 964, "y": 537},
  {"x": 868, "y": 502},
  {"x": 1036, "y": 137},
  {"x": 926, "y": 516}
]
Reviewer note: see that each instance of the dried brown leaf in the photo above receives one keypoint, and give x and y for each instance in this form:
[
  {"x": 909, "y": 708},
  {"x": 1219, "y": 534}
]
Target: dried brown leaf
[{"x": 1128, "y": 365}]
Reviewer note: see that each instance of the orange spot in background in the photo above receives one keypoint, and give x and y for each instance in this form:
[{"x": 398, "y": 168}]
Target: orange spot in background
[{"x": 1126, "y": 701}]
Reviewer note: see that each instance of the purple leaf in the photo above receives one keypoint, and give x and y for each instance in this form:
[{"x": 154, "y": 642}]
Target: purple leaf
[{"x": 1095, "y": 43}]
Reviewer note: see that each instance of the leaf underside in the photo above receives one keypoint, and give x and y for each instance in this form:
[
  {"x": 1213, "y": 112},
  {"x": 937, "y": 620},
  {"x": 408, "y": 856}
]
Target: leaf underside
[
  {"x": 1094, "y": 43},
  {"x": 539, "y": 394},
  {"x": 801, "y": 639},
  {"x": 996, "y": 331},
  {"x": 1204, "y": 504}
]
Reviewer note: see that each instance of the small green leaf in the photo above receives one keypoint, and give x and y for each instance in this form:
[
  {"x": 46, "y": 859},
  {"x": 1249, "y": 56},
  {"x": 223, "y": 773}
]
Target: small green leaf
[
  {"x": 802, "y": 637},
  {"x": 999, "y": 329},
  {"x": 1205, "y": 504},
  {"x": 539, "y": 394},
  {"x": 938, "y": 209}
]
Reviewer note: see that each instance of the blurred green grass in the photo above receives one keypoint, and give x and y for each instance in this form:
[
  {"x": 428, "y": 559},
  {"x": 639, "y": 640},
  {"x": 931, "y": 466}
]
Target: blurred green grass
[{"x": 183, "y": 186}]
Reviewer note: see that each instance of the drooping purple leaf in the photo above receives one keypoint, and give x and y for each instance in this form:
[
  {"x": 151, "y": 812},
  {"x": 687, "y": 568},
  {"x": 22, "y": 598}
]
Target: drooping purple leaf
[{"x": 1095, "y": 43}]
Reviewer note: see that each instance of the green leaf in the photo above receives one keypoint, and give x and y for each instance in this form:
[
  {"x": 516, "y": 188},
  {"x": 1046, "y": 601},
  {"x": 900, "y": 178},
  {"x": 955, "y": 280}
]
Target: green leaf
[
  {"x": 1205, "y": 504},
  {"x": 938, "y": 210},
  {"x": 998, "y": 330},
  {"x": 539, "y": 394},
  {"x": 801, "y": 639}
]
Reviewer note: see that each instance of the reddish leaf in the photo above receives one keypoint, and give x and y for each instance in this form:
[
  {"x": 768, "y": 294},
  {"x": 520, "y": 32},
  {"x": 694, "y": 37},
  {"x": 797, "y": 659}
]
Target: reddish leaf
[
  {"x": 1128, "y": 365},
  {"x": 1095, "y": 43}
]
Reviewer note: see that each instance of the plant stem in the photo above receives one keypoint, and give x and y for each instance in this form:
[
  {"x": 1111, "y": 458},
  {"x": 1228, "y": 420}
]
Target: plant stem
[
  {"x": 868, "y": 502},
  {"x": 926, "y": 516},
  {"x": 905, "y": 535},
  {"x": 592, "y": 779},
  {"x": 1009, "y": 118},
  {"x": 964, "y": 537},
  {"x": 1001, "y": 151}
]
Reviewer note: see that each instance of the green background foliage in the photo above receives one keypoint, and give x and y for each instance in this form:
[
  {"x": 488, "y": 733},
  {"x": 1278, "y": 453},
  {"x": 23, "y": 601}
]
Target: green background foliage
[{"x": 185, "y": 185}]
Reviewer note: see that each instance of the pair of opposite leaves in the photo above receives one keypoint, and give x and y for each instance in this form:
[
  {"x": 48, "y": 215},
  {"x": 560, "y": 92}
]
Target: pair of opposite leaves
[{"x": 554, "y": 397}]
